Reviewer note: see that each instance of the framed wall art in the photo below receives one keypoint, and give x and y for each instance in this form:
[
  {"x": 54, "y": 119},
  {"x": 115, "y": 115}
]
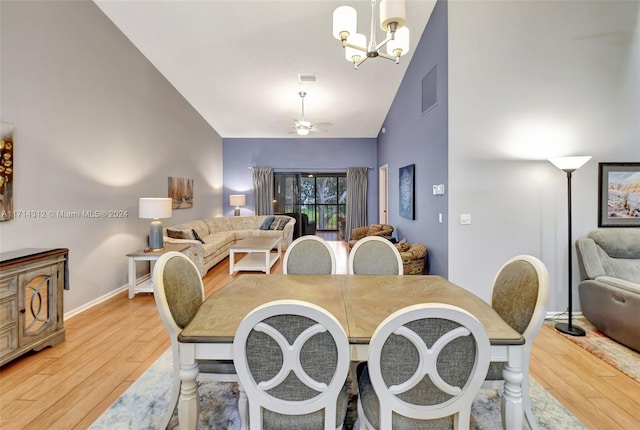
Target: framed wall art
[
  {"x": 407, "y": 192},
  {"x": 619, "y": 194},
  {"x": 181, "y": 192},
  {"x": 6, "y": 171}
]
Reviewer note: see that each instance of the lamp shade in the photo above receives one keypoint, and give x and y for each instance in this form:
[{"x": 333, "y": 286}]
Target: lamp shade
[
  {"x": 391, "y": 11},
  {"x": 345, "y": 20},
  {"x": 237, "y": 200},
  {"x": 570, "y": 163},
  {"x": 399, "y": 43},
  {"x": 154, "y": 207}
]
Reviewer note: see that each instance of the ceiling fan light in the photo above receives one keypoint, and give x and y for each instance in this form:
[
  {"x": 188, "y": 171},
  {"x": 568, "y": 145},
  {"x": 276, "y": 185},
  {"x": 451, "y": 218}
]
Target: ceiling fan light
[
  {"x": 352, "y": 54},
  {"x": 392, "y": 11},
  {"x": 302, "y": 131},
  {"x": 345, "y": 20},
  {"x": 400, "y": 44}
]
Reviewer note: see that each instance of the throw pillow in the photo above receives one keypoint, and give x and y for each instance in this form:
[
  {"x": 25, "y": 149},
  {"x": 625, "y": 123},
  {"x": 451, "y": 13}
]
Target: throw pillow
[
  {"x": 197, "y": 237},
  {"x": 281, "y": 223},
  {"x": 274, "y": 224},
  {"x": 180, "y": 234},
  {"x": 266, "y": 224}
]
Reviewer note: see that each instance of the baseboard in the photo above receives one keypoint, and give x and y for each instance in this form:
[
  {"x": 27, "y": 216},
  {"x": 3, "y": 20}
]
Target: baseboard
[
  {"x": 561, "y": 315},
  {"x": 101, "y": 299}
]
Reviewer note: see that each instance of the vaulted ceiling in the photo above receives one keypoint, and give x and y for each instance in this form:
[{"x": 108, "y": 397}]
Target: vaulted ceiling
[{"x": 237, "y": 62}]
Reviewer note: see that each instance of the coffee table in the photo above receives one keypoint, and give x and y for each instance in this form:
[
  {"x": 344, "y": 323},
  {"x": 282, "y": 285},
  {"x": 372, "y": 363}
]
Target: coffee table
[{"x": 259, "y": 257}]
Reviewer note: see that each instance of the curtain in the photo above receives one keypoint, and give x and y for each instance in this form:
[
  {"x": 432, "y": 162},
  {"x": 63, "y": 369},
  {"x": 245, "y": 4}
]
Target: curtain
[
  {"x": 356, "y": 199},
  {"x": 263, "y": 190}
]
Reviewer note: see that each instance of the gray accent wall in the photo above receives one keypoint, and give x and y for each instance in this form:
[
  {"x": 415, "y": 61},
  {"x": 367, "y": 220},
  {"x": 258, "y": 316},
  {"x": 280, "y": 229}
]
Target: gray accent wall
[
  {"x": 296, "y": 155},
  {"x": 412, "y": 136},
  {"x": 96, "y": 127}
]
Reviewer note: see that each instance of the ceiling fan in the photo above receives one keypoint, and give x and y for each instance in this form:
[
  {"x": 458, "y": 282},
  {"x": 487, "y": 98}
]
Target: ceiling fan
[{"x": 303, "y": 127}]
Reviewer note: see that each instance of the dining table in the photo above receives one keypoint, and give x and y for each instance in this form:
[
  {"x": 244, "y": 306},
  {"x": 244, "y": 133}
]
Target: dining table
[{"x": 360, "y": 303}]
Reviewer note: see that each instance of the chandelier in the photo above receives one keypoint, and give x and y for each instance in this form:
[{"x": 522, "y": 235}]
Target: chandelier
[{"x": 356, "y": 49}]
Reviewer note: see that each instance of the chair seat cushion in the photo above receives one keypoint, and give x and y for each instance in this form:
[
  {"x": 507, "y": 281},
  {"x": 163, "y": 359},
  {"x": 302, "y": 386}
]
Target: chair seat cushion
[
  {"x": 371, "y": 408},
  {"x": 224, "y": 367},
  {"x": 311, "y": 421}
]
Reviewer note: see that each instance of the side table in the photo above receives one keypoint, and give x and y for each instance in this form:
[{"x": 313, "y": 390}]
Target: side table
[{"x": 146, "y": 286}]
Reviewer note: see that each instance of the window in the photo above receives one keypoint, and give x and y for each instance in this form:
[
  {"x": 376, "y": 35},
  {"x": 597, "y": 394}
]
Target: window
[{"x": 322, "y": 196}]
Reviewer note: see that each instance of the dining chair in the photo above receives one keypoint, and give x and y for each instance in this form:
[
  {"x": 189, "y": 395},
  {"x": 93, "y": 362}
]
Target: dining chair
[
  {"x": 309, "y": 255},
  {"x": 426, "y": 364},
  {"x": 178, "y": 292},
  {"x": 374, "y": 255},
  {"x": 520, "y": 296},
  {"x": 292, "y": 358}
]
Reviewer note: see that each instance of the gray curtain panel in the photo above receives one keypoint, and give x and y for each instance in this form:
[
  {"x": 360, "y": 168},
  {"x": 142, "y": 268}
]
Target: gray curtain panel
[
  {"x": 263, "y": 190},
  {"x": 356, "y": 199}
]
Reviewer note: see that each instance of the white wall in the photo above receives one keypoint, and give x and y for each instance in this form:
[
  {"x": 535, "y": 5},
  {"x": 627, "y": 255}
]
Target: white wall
[
  {"x": 96, "y": 127},
  {"x": 529, "y": 80}
]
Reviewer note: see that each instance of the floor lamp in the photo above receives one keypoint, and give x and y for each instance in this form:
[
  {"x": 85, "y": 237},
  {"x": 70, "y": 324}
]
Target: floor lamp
[{"x": 569, "y": 165}]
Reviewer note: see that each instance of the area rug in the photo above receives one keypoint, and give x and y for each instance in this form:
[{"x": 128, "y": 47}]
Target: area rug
[
  {"x": 143, "y": 404},
  {"x": 608, "y": 350}
]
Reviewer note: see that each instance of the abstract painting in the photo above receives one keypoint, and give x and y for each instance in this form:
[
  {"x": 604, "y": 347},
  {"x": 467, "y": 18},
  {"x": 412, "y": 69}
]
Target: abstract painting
[{"x": 407, "y": 194}]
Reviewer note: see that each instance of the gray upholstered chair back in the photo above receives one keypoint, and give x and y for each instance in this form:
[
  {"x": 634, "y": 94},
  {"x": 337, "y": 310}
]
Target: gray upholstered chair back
[
  {"x": 427, "y": 362},
  {"x": 183, "y": 289},
  {"x": 374, "y": 255},
  {"x": 309, "y": 255},
  {"x": 520, "y": 296},
  {"x": 613, "y": 252},
  {"x": 293, "y": 358},
  {"x": 515, "y": 293}
]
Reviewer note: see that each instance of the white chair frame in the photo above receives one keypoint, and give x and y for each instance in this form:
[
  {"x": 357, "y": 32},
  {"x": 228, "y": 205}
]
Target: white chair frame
[
  {"x": 364, "y": 241},
  {"x": 257, "y": 394},
  {"x": 303, "y": 239},
  {"x": 174, "y": 330},
  {"x": 459, "y": 406},
  {"x": 530, "y": 333}
]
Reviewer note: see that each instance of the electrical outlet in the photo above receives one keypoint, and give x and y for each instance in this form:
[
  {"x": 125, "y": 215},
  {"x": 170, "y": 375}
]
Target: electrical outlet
[{"x": 438, "y": 190}]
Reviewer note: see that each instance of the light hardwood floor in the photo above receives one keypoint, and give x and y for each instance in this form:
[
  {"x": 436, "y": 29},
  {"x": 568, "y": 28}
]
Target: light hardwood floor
[{"x": 110, "y": 345}]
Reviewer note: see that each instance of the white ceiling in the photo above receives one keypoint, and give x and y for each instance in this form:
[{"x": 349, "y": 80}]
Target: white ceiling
[{"x": 237, "y": 62}]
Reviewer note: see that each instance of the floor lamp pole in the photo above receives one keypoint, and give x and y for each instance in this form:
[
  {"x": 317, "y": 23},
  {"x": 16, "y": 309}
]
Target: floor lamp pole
[{"x": 569, "y": 328}]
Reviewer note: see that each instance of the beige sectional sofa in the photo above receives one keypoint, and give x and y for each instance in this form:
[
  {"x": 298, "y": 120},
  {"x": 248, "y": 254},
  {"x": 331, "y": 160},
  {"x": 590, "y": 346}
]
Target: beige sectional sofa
[{"x": 210, "y": 239}]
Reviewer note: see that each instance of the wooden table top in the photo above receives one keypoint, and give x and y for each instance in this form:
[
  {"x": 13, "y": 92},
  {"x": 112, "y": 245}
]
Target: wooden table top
[
  {"x": 168, "y": 247},
  {"x": 359, "y": 302}
]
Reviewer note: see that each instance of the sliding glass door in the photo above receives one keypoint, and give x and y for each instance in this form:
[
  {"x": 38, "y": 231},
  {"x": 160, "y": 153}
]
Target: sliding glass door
[{"x": 322, "y": 196}]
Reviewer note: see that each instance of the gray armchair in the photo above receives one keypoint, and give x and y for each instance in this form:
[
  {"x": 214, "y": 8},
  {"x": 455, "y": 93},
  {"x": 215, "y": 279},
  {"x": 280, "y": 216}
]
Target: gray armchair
[{"x": 610, "y": 282}]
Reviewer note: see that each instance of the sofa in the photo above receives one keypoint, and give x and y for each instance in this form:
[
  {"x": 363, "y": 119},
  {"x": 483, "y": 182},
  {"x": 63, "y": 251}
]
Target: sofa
[
  {"x": 210, "y": 239},
  {"x": 383, "y": 230},
  {"x": 609, "y": 288}
]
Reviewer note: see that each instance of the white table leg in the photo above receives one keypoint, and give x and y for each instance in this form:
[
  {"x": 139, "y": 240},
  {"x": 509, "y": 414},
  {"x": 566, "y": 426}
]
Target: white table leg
[
  {"x": 267, "y": 261},
  {"x": 132, "y": 277},
  {"x": 512, "y": 402},
  {"x": 232, "y": 257},
  {"x": 188, "y": 403}
]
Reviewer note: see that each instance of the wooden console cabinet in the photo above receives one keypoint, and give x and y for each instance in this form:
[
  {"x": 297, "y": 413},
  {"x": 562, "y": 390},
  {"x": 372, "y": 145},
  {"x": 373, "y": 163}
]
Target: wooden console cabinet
[{"x": 31, "y": 300}]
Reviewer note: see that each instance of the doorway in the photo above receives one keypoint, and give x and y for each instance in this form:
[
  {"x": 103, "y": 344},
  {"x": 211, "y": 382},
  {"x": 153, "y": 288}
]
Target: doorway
[{"x": 383, "y": 172}]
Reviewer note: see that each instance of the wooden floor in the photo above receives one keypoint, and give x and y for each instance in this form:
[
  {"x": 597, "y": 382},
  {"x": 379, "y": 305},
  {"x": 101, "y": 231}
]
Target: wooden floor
[{"x": 110, "y": 345}]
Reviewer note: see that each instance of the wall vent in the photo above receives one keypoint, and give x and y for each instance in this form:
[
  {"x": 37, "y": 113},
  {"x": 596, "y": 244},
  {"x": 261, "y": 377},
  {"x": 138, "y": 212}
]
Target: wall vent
[
  {"x": 306, "y": 77},
  {"x": 430, "y": 89}
]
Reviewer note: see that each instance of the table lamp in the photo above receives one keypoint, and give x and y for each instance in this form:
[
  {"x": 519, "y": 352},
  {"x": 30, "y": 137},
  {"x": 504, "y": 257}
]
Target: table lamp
[
  {"x": 237, "y": 200},
  {"x": 155, "y": 208}
]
